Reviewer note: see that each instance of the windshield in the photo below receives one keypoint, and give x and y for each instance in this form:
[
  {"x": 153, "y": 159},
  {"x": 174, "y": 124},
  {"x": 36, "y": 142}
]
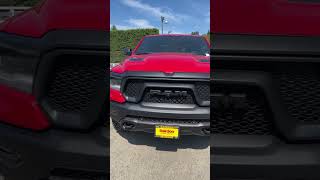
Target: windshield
[{"x": 177, "y": 44}]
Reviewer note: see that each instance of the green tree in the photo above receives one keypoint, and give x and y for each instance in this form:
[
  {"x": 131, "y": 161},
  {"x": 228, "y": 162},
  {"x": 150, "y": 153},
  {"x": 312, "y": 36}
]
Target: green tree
[
  {"x": 195, "y": 33},
  {"x": 208, "y": 35},
  {"x": 121, "y": 39},
  {"x": 113, "y": 28}
]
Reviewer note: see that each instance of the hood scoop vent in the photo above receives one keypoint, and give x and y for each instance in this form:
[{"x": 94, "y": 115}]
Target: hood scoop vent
[
  {"x": 135, "y": 59},
  {"x": 204, "y": 60}
]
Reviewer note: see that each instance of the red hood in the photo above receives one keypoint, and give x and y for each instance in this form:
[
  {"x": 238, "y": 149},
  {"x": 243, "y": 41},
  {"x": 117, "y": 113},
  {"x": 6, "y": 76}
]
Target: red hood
[
  {"x": 165, "y": 62},
  {"x": 266, "y": 17},
  {"x": 60, "y": 14}
]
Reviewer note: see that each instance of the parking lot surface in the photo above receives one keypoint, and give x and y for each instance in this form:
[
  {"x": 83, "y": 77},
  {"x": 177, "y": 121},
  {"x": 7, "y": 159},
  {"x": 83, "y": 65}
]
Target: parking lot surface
[{"x": 140, "y": 156}]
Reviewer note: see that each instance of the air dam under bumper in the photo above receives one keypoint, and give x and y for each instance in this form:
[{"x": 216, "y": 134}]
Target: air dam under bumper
[
  {"x": 136, "y": 117},
  {"x": 36, "y": 155},
  {"x": 265, "y": 157}
]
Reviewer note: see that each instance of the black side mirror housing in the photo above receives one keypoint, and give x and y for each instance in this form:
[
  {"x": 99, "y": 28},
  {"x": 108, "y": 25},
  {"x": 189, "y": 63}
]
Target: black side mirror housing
[{"x": 127, "y": 51}]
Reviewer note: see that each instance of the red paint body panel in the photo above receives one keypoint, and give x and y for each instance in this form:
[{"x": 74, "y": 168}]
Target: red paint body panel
[
  {"x": 21, "y": 109},
  {"x": 60, "y": 14},
  {"x": 116, "y": 96},
  {"x": 165, "y": 62},
  {"x": 266, "y": 17}
]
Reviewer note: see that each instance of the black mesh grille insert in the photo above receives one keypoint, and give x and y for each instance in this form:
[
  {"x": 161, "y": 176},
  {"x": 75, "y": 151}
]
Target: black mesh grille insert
[
  {"x": 134, "y": 88},
  {"x": 240, "y": 110},
  {"x": 74, "y": 83},
  {"x": 203, "y": 91},
  {"x": 301, "y": 95},
  {"x": 174, "y": 99}
]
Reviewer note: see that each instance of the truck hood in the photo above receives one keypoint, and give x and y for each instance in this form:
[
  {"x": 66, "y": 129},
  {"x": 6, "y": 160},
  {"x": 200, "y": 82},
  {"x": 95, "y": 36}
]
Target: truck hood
[
  {"x": 266, "y": 17},
  {"x": 59, "y": 14},
  {"x": 166, "y": 63}
]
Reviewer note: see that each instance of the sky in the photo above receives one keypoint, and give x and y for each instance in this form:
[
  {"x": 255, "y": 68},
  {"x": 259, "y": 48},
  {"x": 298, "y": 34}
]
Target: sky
[{"x": 183, "y": 16}]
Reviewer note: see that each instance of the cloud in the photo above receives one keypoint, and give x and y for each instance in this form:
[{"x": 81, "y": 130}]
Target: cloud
[
  {"x": 155, "y": 11},
  {"x": 140, "y": 23},
  {"x": 178, "y": 32},
  {"x": 207, "y": 19},
  {"x": 134, "y": 24}
]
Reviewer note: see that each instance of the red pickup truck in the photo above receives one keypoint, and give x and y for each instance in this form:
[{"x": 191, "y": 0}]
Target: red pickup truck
[
  {"x": 53, "y": 92},
  {"x": 265, "y": 103},
  {"x": 162, "y": 87}
]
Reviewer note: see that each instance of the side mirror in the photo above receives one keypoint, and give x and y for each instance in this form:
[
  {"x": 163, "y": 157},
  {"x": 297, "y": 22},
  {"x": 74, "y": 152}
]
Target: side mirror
[{"x": 127, "y": 51}]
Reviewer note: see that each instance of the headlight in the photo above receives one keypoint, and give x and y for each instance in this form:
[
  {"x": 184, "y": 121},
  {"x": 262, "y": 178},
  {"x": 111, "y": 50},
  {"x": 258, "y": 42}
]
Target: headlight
[{"x": 115, "y": 83}]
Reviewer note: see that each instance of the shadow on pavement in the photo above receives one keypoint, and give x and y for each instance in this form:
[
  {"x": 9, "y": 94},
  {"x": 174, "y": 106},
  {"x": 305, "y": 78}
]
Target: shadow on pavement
[{"x": 184, "y": 142}]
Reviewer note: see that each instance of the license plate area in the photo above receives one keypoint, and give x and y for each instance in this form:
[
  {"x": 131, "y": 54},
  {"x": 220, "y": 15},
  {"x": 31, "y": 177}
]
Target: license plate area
[{"x": 167, "y": 132}]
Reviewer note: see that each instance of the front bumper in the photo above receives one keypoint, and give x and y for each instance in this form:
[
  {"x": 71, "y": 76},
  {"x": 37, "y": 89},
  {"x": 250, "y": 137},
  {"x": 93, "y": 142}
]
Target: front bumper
[
  {"x": 194, "y": 121},
  {"x": 36, "y": 155},
  {"x": 265, "y": 157}
]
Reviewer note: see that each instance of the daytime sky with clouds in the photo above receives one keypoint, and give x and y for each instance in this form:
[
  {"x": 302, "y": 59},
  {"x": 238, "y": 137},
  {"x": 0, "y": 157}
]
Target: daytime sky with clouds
[{"x": 183, "y": 16}]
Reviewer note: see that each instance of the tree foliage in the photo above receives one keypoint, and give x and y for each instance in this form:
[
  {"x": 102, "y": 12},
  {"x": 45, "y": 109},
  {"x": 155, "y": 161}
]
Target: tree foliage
[
  {"x": 113, "y": 28},
  {"x": 195, "y": 33},
  {"x": 120, "y": 39},
  {"x": 207, "y": 36}
]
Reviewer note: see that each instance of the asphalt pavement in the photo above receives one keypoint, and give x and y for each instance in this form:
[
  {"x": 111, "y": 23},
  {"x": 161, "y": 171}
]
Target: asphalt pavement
[{"x": 140, "y": 156}]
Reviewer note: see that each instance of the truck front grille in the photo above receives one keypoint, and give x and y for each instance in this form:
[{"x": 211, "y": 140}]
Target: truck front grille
[
  {"x": 290, "y": 88},
  {"x": 245, "y": 114},
  {"x": 137, "y": 90},
  {"x": 186, "y": 99}
]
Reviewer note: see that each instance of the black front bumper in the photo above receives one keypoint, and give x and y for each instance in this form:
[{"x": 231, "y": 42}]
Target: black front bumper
[
  {"x": 265, "y": 157},
  {"x": 145, "y": 119},
  {"x": 38, "y": 155}
]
